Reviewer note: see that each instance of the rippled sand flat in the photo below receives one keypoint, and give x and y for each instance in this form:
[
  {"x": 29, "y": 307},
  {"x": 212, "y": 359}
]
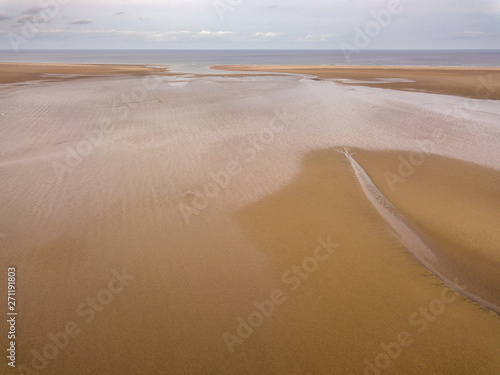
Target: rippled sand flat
[{"x": 212, "y": 195}]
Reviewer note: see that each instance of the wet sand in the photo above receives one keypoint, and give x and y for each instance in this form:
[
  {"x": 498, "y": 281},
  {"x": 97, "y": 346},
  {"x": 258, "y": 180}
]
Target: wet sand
[
  {"x": 460, "y": 226},
  {"x": 461, "y": 81},
  {"x": 261, "y": 155},
  {"x": 371, "y": 285}
]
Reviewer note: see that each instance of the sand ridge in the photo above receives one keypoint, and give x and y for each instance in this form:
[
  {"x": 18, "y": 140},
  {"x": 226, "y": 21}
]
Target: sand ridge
[
  {"x": 473, "y": 82},
  {"x": 428, "y": 252}
]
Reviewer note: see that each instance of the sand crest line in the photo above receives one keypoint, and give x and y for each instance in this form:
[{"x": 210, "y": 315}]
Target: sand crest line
[{"x": 406, "y": 233}]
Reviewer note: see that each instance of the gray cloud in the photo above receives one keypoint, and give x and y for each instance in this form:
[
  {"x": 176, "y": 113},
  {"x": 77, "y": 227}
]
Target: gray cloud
[
  {"x": 35, "y": 15},
  {"x": 34, "y": 10},
  {"x": 422, "y": 24},
  {"x": 80, "y": 22},
  {"x": 4, "y": 16}
]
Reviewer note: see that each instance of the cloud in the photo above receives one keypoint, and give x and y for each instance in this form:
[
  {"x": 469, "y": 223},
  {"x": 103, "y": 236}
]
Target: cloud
[
  {"x": 33, "y": 10},
  {"x": 211, "y": 33},
  {"x": 154, "y": 36},
  {"x": 158, "y": 36},
  {"x": 30, "y": 14},
  {"x": 471, "y": 34},
  {"x": 265, "y": 35},
  {"x": 36, "y": 15},
  {"x": 4, "y": 16},
  {"x": 316, "y": 38},
  {"x": 80, "y": 22},
  {"x": 424, "y": 24}
]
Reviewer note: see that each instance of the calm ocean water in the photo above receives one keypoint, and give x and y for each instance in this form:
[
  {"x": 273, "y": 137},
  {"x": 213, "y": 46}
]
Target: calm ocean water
[{"x": 198, "y": 60}]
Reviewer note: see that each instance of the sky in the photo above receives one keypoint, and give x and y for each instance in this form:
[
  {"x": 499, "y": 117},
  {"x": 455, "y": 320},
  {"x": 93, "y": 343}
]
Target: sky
[{"x": 249, "y": 24}]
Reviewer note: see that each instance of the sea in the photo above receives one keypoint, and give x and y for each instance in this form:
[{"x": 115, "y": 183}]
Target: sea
[{"x": 198, "y": 61}]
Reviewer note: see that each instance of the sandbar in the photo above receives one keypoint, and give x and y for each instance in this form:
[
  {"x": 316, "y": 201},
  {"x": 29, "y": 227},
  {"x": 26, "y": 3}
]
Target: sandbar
[{"x": 478, "y": 83}]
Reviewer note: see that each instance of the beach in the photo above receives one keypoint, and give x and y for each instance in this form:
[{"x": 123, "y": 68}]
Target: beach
[
  {"x": 461, "y": 81},
  {"x": 213, "y": 224},
  {"x": 22, "y": 72}
]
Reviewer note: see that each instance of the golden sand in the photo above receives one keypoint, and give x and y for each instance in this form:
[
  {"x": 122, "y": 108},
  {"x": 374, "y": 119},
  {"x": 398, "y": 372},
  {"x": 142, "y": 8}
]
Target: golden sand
[
  {"x": 479, "y": 83},
  {"x": 22, "y": 72},
  {"x": 118, "y": 209},
  {"x": 366, "y": 293}
]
